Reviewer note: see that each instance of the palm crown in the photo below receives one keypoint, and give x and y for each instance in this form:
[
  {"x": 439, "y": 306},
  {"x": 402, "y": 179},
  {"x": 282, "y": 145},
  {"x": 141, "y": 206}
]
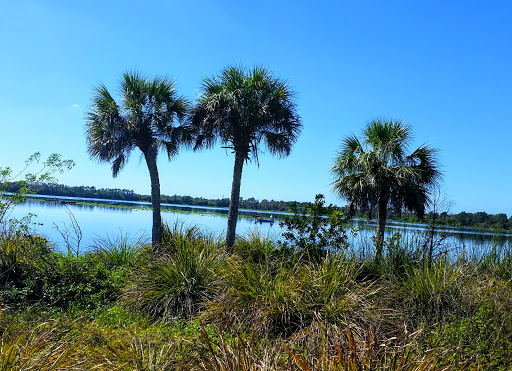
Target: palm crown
[
  {"x": 243, "y": 108},
  {"x": 144, "y": 119}
]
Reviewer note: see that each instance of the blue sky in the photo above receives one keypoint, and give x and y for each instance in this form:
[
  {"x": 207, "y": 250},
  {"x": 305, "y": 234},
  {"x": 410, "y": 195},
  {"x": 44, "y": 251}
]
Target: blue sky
[{"x": 443, "y": 67}]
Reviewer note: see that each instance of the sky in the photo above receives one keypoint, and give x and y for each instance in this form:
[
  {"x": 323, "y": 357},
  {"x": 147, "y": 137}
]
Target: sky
[{"x": 442, "y": 67}]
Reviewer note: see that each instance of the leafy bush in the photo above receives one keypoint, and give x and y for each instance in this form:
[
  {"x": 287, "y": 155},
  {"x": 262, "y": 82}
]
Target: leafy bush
[
  {"x": 315, "y": 229},
  {"x": 486, "y": 337},
  {"x": 61, "y": 282}
]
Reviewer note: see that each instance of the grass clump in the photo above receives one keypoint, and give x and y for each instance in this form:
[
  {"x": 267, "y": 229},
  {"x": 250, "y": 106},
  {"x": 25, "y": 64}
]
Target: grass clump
[
  {"x": 42, "y": 346},
  {"x": 433, "y": 292},
  {"x": 179, "y": 277},
  {"x": 283, "y": 299},
  {"x": 121, "y": 251}
]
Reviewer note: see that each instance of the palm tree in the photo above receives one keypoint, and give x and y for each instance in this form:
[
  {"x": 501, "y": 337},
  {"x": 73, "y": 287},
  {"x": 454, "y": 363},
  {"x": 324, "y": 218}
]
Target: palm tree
[
  {"x": 144, "y": 119},
  {"x": 375, "y": 171},
  {"x": 242, "y": 108}
]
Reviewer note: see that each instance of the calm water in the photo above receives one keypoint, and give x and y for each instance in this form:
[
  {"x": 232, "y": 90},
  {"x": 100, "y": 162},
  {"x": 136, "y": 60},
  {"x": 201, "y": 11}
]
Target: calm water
[{"x": 101, "y": 221}]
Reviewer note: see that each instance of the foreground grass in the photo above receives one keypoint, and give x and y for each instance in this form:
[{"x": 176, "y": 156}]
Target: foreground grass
[{"x": 190, "y": 306}]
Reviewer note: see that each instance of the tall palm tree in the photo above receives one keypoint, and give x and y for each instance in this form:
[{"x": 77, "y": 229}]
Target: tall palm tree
[
  {"x": 243, "y": 108},
  {"x": 145, "y": 119},
  {"x": 376, "y": 171}
]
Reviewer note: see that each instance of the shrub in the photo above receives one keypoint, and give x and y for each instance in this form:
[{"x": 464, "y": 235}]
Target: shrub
[
  {"x": 315, "y": 230},
  {"x": 21, "y": 255},
  {"x": 486, "y": 336},
  {"x": 64, "y": 282}
]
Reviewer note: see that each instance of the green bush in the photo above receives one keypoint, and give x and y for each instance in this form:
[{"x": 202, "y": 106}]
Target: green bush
[
  {"x": 62, "y": 282},
  {"x": 486, "y": 337},
  {"x": 315, "y": 230}
]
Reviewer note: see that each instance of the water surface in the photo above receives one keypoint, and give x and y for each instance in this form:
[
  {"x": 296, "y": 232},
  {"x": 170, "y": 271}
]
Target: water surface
[{"x": 100, "y": 221}]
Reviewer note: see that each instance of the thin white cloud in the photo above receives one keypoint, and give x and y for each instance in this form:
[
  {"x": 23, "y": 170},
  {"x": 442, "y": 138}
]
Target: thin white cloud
[{"x": 74, "y": 105}]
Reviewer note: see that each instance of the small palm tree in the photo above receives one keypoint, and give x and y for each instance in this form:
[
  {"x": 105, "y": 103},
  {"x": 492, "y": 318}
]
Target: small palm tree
[
  {"x": 377, "y": 172},
  {"x": 144, "y": 119},
  {"x": 242, "y": 108}
]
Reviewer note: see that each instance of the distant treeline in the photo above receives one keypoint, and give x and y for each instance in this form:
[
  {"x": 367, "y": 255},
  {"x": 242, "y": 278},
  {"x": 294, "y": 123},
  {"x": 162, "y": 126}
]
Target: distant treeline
[
  {"x": 480, "y": 219},
  {"x": 129, "y": 195},
  {"x": 463, "y": 219}
]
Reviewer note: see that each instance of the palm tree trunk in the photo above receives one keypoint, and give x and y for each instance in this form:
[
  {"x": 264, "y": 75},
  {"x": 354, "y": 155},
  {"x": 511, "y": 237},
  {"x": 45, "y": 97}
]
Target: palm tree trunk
[
  {"x": 156, "y": 233},
  {"x": 234, "y": 203},
  {"x": 381, "y": 226}
]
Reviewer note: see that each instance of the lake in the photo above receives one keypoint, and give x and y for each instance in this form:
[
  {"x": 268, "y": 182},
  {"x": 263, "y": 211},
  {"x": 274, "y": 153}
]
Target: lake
[{"x": 100, "y": 221}]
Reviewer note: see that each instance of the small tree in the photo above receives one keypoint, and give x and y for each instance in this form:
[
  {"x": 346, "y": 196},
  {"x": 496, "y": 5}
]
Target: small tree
[
  {"x": 315, "y": 229},
  {"x": 376, "y": 171},
  {"x": 439, "y": 206}
]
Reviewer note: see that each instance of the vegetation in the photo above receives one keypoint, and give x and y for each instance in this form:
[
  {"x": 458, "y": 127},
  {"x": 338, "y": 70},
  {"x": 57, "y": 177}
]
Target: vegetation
[
  {"x": 315, "y": 228},
  {"x": 191, "y": 306},
  {"x": 242, "y": 108},
  {"x": 145, "y": 119},
  {"x": 376, "y": 172}
]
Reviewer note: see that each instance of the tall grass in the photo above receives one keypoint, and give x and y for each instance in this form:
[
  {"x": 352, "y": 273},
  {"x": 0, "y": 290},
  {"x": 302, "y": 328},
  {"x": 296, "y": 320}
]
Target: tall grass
[
  {"x": 258, "y": 248},
  {"x": 179, "y": 277},
  {"x": 433, "y": 292},
  {"x": 41, "y": 347},
  {"x": 121, "y": 251},
  {"x": 292, "y": 298}
]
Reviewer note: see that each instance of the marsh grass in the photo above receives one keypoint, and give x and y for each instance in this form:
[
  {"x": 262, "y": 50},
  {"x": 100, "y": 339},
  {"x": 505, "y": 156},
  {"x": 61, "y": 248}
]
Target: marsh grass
[
  {"x": 434, "y": 292},
  {"x": 283, "y": 300},
  {"x": 121, "y": 251},
  {"x": 258, "y": 248},
  {"x": 135, "y": 352},
  {"x": 179, "y": 277}
]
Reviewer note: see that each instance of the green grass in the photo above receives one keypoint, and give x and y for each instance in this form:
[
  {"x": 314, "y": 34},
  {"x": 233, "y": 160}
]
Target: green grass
[{"x": 120, "y": 251}]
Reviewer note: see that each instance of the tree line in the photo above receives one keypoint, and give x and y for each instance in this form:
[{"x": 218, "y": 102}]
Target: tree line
[
  {"x": 52, "y": 189},
  {"x": 479, "y": 219},
  {"x": 462, "y": 219}
]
